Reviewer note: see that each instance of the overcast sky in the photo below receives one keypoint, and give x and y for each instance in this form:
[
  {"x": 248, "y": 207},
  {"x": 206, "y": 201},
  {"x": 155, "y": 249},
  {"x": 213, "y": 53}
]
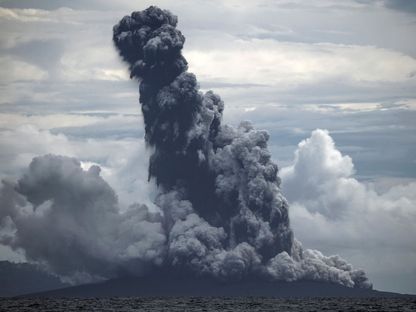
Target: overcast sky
[{"x": 348, "y": 67}]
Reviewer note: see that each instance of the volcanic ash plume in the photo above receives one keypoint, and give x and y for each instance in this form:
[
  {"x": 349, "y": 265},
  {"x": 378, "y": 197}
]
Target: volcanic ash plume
[
  {"x": 223, "y": 210},
  {"x": 222, "y": 213}
]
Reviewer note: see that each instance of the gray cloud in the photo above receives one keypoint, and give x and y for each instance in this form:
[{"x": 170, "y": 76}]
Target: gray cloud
[
  {"x": 401, "y": 5},
  {"x": 45, "y": 54},
  {"x": 67, "y": 219}
]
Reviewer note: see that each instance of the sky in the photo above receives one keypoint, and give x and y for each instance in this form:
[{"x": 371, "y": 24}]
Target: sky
[{"x": 346, "y": 68}]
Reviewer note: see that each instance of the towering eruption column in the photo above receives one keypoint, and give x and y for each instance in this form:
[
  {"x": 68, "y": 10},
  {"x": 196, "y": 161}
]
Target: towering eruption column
[
  {"x": 222, "y": 207},
  {"x": 225, "y": 173}
]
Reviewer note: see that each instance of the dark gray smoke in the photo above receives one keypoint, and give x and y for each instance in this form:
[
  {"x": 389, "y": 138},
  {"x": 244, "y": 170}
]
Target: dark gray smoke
[
  {"x": 226, "y": 174},
  {"x": 222, "y": 211}
]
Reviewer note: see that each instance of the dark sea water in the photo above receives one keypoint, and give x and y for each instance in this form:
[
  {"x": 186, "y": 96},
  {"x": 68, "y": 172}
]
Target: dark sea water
[{"x": 208, "y": 304}]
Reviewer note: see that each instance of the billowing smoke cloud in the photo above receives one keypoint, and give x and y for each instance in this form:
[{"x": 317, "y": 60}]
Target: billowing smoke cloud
[
  {"x": 222, "y": 213},
  {"x": 67, "y": 219}
]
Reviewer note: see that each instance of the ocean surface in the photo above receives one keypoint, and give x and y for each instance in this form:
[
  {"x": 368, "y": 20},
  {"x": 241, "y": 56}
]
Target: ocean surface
[{"x": 208, "y": 304}]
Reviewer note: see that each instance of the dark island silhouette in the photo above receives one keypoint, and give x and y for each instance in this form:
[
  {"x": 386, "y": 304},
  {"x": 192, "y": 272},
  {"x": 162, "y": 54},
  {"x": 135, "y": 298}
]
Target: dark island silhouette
[
  {"x": 25, "y": 280},
  {"x": 163, "y": 286},
  {"x": 22, "y": 278}
]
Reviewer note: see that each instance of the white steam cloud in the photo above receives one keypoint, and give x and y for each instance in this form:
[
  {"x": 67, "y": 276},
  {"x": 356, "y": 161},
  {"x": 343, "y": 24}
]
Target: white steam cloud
[{"x": 328, "y": 201}]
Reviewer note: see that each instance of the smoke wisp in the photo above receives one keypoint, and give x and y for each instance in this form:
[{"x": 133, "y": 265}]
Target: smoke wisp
[{"x": 222, "y": 213}]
